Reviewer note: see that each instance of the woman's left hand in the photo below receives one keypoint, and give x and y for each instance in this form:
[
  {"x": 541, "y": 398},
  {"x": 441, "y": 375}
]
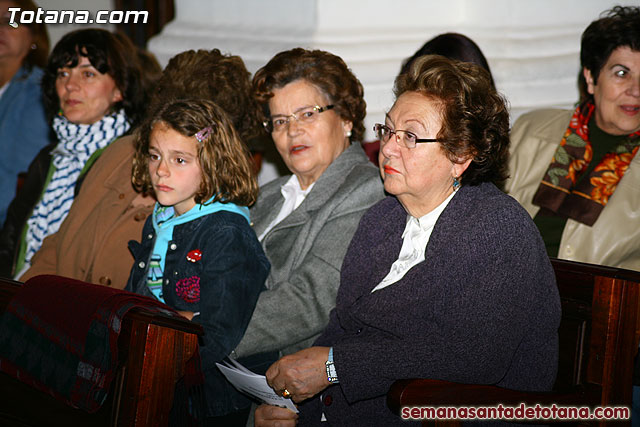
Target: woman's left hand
[
  {"x": 273, "y": 416},
  {"x": 302, "y": 374}
]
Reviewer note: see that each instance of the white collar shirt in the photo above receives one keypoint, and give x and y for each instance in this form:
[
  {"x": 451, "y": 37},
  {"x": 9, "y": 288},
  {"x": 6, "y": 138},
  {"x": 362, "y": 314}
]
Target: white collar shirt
[
  {"x": 293, "y": 195},
  {"x": 415, "y": 238},
  {"x": 4, "y": 87}
]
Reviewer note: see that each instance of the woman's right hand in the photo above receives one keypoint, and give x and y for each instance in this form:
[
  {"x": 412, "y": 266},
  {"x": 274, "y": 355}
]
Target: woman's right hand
[{"x": 274, "y": 416}]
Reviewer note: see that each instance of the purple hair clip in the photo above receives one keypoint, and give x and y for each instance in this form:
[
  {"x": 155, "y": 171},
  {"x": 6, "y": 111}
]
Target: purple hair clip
[{"x": 203, "y": 134}]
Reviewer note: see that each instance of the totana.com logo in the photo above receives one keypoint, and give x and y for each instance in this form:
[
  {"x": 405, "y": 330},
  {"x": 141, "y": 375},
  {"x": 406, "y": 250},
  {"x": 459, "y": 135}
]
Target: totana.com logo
[{"x": 41, "y": 16}]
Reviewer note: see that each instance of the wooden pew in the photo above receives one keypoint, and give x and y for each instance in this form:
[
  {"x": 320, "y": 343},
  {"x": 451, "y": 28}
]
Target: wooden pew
[
  {"x": 153, "y": 351},
  {"x": 598, "y": 338}
]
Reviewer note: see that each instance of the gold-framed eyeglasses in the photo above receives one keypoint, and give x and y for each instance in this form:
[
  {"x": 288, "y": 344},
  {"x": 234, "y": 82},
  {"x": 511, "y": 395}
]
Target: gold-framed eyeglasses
[
  {"x": 303, "y": 116},
  {"x": 408, "y": 139}
]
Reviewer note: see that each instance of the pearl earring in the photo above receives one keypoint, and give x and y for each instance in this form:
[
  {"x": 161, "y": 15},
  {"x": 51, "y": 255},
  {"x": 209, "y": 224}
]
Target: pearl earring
[
  {"x": 34, "y": 46},
  {"x": 348, "y": 134}
]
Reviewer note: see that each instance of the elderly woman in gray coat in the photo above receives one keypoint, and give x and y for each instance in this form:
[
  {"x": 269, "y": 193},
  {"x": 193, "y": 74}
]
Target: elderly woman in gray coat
[{"x": 314, "y": 110}]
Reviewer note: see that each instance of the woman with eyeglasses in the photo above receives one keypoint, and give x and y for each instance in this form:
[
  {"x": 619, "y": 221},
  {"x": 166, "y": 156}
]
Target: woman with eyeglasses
[
  {"x": 451, "y": 45},
  {"x": 314, "y": 110},
  {"x": 446, "y": 278},
  {"x": 23, "y": 125}
]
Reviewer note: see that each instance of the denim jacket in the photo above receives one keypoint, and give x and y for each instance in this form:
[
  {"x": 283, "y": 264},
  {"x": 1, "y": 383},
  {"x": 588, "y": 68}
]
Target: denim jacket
[{"x": 214, "y": 266}]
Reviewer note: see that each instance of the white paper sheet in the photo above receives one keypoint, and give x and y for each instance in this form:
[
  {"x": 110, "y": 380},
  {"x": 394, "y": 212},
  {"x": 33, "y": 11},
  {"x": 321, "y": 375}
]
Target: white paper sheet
[{"x": 253, "y": 384}]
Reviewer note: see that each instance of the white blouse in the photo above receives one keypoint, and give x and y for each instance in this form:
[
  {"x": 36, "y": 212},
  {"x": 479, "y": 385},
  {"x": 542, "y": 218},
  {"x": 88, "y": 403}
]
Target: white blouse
[
  {"x": 416, "y": 236},
  {"x": 293, "y": 195}
]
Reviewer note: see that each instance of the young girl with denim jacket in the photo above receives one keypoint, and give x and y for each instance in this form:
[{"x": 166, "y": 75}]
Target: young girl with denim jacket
[{"x": 198, "y": 252}]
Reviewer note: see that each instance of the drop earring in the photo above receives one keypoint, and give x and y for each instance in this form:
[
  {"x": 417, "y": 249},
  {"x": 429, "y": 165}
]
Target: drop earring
[{"x": 456, "y": 183}]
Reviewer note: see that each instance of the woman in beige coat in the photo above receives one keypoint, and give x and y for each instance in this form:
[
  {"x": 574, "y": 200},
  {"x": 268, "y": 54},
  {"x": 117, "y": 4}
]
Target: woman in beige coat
[{"x": 577, "y": 172}]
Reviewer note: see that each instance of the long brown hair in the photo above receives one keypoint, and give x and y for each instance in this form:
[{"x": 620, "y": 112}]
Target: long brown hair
[{"x": 227, "y": 173}]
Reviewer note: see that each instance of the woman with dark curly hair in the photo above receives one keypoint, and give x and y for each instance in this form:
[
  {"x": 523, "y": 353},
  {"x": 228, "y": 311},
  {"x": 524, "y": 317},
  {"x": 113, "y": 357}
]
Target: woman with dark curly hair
[
  {"x": 577, "y": 171},
  {"x": 93, "y": 94},
  {"x": 113, "y": 57},
  {"x": 447, "y": 278},
  {"x": 314, "y": 109}
]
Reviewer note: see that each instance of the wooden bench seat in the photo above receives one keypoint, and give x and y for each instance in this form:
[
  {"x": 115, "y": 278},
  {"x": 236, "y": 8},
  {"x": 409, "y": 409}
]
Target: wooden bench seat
[
  {"x": 152, "y": 352},
  {"x": 598, "y": 338}
]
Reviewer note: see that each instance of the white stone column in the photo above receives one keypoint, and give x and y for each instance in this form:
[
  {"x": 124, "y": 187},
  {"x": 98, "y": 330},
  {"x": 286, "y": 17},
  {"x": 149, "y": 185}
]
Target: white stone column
[{"x": 56, "y": 31}]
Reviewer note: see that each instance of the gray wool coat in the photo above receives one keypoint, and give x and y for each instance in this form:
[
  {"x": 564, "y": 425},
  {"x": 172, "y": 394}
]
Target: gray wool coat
[{"x": 306, "y": 250}]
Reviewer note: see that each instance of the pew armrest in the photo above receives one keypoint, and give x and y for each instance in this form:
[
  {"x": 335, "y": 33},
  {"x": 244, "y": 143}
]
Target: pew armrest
[
  {"x": 153, "y": 350},
  {"x": 598, "y": 342}
]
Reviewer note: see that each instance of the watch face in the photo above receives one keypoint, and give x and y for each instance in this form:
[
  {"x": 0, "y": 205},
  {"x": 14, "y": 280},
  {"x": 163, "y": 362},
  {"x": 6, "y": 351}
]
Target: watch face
[{"x": 331, "y": 372}]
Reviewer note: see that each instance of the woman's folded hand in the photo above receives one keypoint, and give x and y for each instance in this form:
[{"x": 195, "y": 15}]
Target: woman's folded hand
[
  {"x": 300, "y": 375},
  {"x": 272, "y": 416}
]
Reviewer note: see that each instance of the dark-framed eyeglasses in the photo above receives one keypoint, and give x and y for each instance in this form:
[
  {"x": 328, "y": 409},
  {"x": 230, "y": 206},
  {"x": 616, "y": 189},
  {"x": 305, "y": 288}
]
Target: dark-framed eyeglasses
[
  {"x": 303, "y": 116},
  {"x": 408, "y": 139}
]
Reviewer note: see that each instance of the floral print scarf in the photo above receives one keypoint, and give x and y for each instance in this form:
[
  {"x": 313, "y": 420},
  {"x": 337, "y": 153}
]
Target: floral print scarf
[{"x": 585, "y": 200}]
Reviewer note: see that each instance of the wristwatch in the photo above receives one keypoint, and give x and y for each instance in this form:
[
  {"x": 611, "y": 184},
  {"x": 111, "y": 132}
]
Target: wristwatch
[{"x": 332, "y": 376}]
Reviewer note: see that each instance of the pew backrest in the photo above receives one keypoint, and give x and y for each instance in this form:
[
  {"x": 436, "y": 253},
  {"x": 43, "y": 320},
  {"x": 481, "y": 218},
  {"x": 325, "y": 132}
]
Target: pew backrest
[{"x": 152, "y": 350}]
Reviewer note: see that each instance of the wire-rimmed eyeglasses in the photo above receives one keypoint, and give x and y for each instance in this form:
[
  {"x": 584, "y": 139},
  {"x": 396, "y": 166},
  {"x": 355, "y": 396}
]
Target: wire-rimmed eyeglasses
[
  {"x": 409, "y": 139},
  {"x": 304, "y": 116}
]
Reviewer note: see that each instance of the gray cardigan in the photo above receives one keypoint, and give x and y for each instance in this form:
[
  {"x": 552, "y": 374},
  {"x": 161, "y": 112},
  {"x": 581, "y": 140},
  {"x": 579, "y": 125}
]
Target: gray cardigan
[
  {"x": 306, "y": 250},
  {"x": 482, "y": 308}
]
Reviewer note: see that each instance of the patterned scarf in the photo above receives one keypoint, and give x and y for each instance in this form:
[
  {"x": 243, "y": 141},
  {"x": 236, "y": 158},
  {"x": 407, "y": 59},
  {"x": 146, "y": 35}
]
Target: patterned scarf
[
  {"x": 583, "y": 202},
  {"x": 76, "y": 144}
]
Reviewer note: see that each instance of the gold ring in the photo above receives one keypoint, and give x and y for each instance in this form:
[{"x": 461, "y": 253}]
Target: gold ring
[{"x": 286, "y": 394}]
